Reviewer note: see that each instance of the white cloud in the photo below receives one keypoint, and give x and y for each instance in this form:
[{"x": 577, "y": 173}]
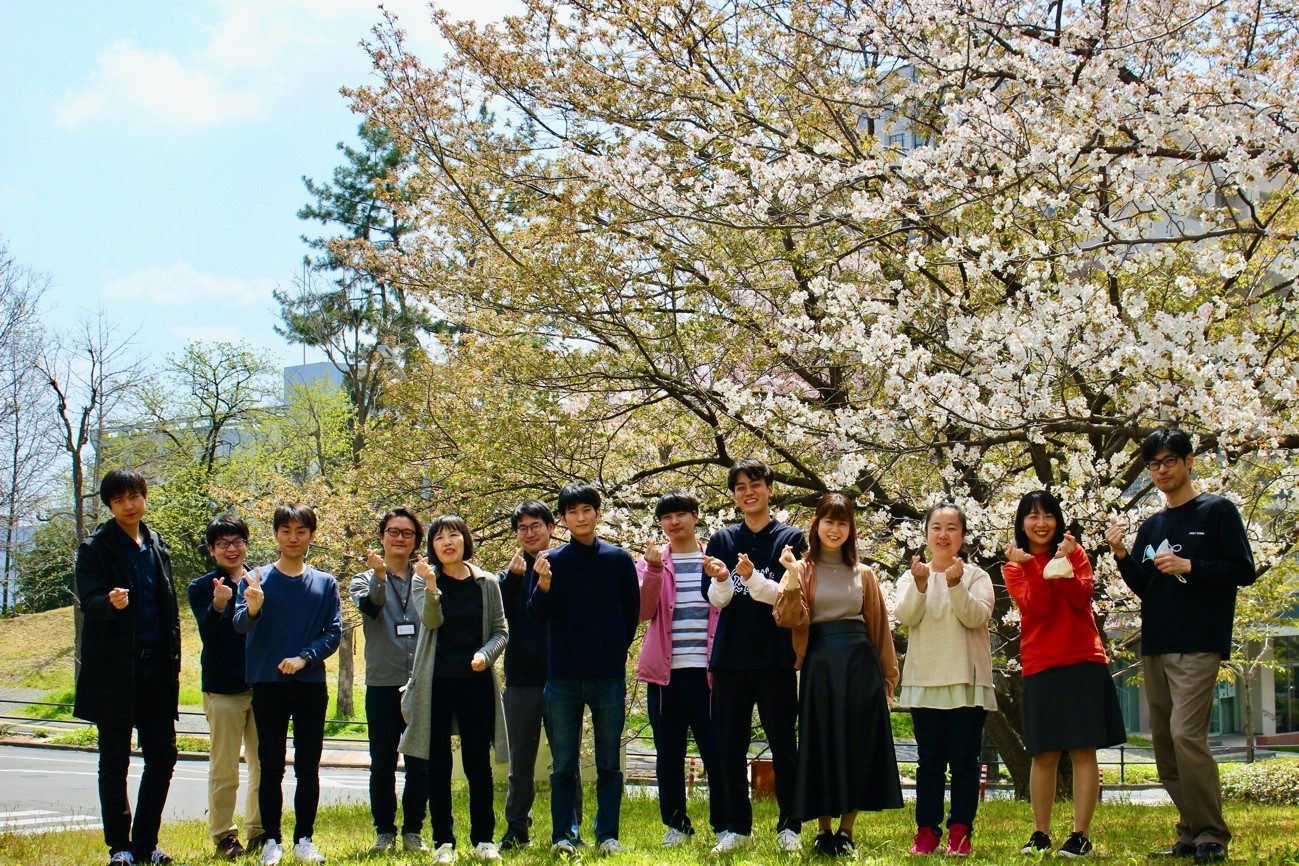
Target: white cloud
[{"x": 180, "y": 284}]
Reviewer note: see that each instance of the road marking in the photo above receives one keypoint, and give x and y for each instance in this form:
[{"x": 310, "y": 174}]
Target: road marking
[{"x": 28, "y": 821}]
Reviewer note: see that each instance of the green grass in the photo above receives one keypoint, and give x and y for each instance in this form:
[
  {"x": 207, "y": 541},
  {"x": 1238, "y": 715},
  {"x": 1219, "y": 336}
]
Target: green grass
[{"x": 1123, "y": 834}]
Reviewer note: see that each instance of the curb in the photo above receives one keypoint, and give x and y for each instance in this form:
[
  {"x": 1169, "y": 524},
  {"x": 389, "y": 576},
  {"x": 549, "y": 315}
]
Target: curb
[{"x": 362, "y": 761}]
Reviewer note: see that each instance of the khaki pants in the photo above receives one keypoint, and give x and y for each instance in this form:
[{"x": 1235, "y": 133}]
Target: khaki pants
[
  {"x": 1179, "y": 687},
  {"x": 230, "y": 718}
]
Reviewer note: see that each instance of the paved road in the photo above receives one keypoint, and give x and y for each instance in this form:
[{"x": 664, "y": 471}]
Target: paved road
[{"x": 53, "y": 789}]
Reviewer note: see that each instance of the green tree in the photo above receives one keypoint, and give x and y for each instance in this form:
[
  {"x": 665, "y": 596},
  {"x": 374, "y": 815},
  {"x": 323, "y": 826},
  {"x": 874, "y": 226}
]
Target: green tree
[{"x": 44, "y": 566}]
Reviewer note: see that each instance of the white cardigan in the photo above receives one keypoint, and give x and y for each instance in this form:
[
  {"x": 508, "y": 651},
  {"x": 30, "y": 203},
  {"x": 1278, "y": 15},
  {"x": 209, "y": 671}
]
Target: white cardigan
[{"x": 947, "y": 629}]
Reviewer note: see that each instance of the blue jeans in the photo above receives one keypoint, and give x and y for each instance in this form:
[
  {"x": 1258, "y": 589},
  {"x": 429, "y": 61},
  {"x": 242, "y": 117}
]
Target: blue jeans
[
  {"x": 947, "y": 738},
  {"x": 565, "y": 698}
]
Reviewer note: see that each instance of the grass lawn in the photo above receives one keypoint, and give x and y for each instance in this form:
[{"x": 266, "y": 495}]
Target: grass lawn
[{"x": 1123, "y": 834}]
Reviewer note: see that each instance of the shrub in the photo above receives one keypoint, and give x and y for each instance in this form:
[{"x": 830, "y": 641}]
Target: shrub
[{"x": 1274, "y": 783}]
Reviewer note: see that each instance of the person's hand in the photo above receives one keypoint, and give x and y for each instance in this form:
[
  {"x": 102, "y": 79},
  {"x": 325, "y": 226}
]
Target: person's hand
[
  {"x": 792, "y": 564},
  {"x": 744, "y": 567},
  {"x": 253, "y": 595},
  {"x": 221, "y": 594},
  {"x": 1066, "y": 546},
  {"x": 422, "y": 568},
  {"x": 1016, "y": 555},
  {"x": 119, "y": 598},
  {"x": 716, "y": 569},
  {"x": 518, "y": 565},
  {"x": 542, "y": 569},
  {"x": 954, "y": 572},
  {"x": 920, "y": 573},
  {"x": 375, "y": 563},
  {"x": 1171, "y": 563},
  {"x": 478, "y": 662},
  {"x": 291, "y": 666},
  {"x": 653, "y": 556},
  {"x": 1114, "y": 537}
]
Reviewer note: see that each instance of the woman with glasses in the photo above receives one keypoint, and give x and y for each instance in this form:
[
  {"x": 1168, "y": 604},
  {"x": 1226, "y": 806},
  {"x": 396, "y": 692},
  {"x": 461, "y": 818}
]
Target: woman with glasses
[
  {"x": 453, "y": 687},
  {"x": 1070, "y": 703}
]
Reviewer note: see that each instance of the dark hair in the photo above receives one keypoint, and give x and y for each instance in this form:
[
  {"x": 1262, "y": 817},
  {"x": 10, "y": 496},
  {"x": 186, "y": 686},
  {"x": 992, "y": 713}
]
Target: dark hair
[
  {"x": 754, "y": 468},
  {"x": 120, "y": 482},
  {"x": 409, "y": 515},
  {"x": 945, "y": 506},
  {"x": 226, "y": 525},
  {"x": 674, "y": 501},
  {"x": 450, "y": 521},
  {"x": 1170, "y": 438},
  {"x": 1047, "y": 502},
  {"x": 834, "y": 506},
  {"x": 531, "y": 508},
  {"x": 578, "y": 493},
  {"x": 285, "y": 514}
]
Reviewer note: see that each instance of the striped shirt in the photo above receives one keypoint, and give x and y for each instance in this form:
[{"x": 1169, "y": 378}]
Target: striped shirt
[{"x": 690, "y": 614}]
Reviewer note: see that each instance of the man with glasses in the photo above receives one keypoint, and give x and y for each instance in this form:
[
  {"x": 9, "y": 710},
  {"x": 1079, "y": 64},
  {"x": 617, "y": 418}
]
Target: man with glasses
[
  {"x": 1186, "y": 565},
  {"x": 227, "y": 697},
  {"x": 391, "y": 626},
  {"x": 525, "y": 672}
]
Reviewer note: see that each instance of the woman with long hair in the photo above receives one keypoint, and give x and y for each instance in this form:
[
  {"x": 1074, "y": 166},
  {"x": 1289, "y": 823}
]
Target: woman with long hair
[
  {"x": 1069, "y": 699},
  {"x": 844, "y": 647},
  {"x": 453, "y": 687},
  {"x": 945, "y": 604}
]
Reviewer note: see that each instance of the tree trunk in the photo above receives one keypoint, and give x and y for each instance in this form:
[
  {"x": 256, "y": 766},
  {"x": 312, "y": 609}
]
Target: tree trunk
[
  {"x": 1011, "y": 748},
  {"x": 1247, "y": 708},
  {"x": 346, "y": 673}
]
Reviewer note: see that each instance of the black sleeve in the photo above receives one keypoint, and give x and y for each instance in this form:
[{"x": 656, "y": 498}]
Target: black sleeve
[
  {"x": 630, "y": 590},
  {"x": 1233, "y": 562}
]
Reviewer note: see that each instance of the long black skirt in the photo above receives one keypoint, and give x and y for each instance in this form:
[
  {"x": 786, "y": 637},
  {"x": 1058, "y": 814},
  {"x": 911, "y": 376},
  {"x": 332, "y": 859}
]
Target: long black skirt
[
  {"x": 1071, "y": 707},
  {"x": 846, "y": 761}
]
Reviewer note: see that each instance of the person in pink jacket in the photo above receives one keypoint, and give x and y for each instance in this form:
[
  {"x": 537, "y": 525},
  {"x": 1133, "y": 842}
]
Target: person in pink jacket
[{"x": 674, "y": 663}]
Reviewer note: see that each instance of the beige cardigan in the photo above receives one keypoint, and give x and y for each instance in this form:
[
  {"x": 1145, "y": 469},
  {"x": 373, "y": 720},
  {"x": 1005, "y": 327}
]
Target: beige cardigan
[{"x": 794, "y": 600}]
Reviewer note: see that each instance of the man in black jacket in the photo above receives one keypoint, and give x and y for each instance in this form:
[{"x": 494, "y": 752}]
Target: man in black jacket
[{"x": 130, "y": 665}]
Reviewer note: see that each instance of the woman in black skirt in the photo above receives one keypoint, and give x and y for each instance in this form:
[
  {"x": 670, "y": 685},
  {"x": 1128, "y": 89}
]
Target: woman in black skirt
[
  {"x": 844, "y": 649},
  {"x": 1070, "y": 703}
]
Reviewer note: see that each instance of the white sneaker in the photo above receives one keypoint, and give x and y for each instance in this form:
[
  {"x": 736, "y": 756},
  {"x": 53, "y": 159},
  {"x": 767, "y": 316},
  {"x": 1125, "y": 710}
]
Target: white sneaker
[
  {"x": 272, "y": 853},
  {"x": 122, "y": 857},
  {"x": 383, "y": 842},
  {"x": 413, "y": 842},
  {"x": 444, "y": 855},
  {"x": 608, "y": 847},
  {"x": 728, "y": 842},
  {"x": 788, "y": 840},
  {"x": 564, "y": 848},
  {"x": 487, "y": 852},
  {"x": 675, "y": 838},
  {"x": 307, "y": 852}
]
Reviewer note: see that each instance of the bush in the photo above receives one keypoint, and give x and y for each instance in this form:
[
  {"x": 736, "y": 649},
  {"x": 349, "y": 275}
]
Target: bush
[{"x": 1273, "y": 783}]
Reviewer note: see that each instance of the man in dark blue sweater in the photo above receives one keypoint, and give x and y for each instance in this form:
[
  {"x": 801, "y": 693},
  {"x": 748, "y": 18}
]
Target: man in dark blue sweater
[
  {"x": 752, "y": 661},
  {"x": 587, "y": 593},
  {"x": 227, "y": 697},
  {"x": 526, "y": 659},
  {"x": 1186, "y": 565}
]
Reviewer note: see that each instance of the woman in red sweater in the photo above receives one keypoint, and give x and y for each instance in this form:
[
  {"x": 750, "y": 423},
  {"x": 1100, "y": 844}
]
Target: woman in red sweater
[{"x": 1069, "y": 698}]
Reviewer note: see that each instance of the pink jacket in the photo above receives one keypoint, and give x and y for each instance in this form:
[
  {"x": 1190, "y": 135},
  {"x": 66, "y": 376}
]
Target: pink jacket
[{"x": 658, "y": 598}]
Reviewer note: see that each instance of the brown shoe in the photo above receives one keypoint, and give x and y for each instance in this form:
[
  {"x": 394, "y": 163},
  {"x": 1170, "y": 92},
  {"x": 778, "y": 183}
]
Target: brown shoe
[{"x": 229, "y": 847}]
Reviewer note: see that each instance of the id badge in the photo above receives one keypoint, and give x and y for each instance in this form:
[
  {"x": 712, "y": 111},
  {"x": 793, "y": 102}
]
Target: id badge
[{"x": 405, "y": 629}]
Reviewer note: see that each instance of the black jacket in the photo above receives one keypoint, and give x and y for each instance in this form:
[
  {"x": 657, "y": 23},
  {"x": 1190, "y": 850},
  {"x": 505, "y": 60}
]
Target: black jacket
[
  {"x": 106, "y": 684},
  {"x": 223, "y": 657}
]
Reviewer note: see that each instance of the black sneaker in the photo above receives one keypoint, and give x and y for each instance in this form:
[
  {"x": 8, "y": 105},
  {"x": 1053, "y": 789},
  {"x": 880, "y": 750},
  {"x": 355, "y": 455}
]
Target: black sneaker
[
  {"x": 843, "y": 845},
  {"x": 1077, "y": 845},
  {"x": 1038, "y": 843},
  {"x": 824, "y": 844},
  {"x": 512, "y": 841},
  {"x": 1178, "y": 849},
  {"x": 1210, "y": 852}
]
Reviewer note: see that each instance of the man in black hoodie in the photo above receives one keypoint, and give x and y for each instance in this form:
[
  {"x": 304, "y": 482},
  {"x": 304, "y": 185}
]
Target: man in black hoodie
[{"x": 753, "y": 659}]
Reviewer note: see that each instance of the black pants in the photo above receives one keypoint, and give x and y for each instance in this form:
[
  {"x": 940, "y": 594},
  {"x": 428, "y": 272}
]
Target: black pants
[
  {"x": 155, "y": 719},
  {"x": 947, "y": 738},
  {"x": 675, "y": 710},
  {"x": 383, "y": 715},
  {"x": 472, "y": 702},
  {"x": 274, "y": 705},
  {"x": 775, "y": 692}
]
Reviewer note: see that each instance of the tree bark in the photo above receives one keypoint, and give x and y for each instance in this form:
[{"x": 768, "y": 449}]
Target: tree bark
[{"x": 346, "y": 673}]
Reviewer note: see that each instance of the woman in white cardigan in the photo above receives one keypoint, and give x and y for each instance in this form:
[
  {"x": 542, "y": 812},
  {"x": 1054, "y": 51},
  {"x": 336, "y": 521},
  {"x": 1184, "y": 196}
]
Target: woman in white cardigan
[{"x": 945, "y": 605}]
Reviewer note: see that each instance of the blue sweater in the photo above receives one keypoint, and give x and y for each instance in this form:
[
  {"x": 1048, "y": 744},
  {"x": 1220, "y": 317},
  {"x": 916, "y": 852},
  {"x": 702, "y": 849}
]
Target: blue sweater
[
  {"x": 300, "y": 616},
  {"x": 592, "y": 609}
]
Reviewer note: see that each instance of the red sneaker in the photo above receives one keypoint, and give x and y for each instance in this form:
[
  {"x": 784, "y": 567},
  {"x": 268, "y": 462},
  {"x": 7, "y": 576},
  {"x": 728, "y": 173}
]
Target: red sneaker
[
  {"x": 925, "y": 841},
  {"x": 958, "y": 840}
]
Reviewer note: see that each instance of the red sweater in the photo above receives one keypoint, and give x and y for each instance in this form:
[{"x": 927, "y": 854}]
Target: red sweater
[{"x": 1057, "y": 627}]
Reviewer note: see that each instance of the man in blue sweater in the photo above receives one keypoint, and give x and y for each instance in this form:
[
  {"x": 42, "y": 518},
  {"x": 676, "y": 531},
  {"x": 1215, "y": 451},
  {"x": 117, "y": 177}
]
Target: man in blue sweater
[
  {"x": 588, "y": 595},
  {"x": 293, "y": 620},
  {"x": 1186, "y": 565},
  {"x": 227, "y": 698}
]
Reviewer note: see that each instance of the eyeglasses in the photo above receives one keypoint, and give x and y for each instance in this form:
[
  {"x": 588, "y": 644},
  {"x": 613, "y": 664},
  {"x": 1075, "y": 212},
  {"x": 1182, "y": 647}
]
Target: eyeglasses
[
  {"x": 528, "y": 528},
  {"x": 393, "y": 532},
  {"x": 227, "y": 543},
  {"x": 1166, "y": 463}
]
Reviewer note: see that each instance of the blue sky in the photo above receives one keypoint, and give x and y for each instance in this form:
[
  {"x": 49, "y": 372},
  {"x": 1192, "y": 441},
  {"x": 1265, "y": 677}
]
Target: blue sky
[{"x": 152, "y": 153}]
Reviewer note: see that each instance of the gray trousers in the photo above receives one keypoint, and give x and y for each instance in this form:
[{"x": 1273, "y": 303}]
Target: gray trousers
[
  {"x": 1179, "y": 688},
  {"x": 525, "y": 716}
]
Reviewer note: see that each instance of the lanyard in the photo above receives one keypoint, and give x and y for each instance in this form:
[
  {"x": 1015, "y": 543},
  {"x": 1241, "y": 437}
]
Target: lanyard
[{"x": 410, "y": 586}]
